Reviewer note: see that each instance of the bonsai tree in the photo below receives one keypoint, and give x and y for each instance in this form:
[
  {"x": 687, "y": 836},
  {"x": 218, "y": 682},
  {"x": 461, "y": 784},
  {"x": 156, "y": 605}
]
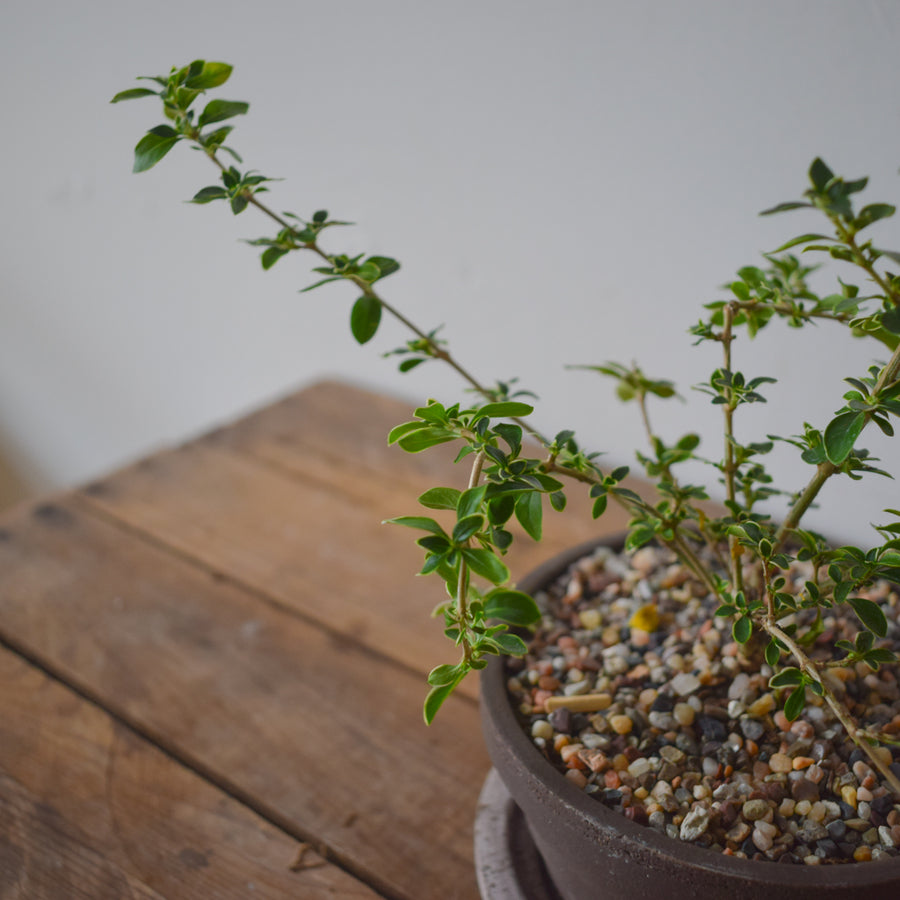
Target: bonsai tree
[{"x": 742, "y": 556}]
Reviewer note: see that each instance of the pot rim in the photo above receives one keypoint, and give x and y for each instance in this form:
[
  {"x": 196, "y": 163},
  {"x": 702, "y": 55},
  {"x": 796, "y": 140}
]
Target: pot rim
[{"x": 594, "y": 815}]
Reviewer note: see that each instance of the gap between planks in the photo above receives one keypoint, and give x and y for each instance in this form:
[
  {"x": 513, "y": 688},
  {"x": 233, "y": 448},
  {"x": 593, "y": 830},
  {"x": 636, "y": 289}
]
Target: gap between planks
[{"x": 243, "y": 798}]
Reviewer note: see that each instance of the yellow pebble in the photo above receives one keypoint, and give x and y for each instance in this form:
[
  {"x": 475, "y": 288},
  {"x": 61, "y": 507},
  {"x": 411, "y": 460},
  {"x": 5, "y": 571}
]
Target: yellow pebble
[
  {"x": 646, "y": 618},
  {"x": 848, "y": 795},
  {"x": 579, "y": 703},
  {"x": 621, "y": 724}
]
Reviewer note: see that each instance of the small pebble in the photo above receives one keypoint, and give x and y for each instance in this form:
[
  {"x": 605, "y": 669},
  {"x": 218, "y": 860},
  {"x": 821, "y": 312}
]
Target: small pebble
[
  {"x": 754, "y": 809},
  {"x": 762, "y": 706},
  {"x": 685, "y": 683},
  {"x": 641, "y": 766},
  {"x": 621, "y": 724},
  {"x": 780, "y": 762},
  {"x": 694, "y": 824}
]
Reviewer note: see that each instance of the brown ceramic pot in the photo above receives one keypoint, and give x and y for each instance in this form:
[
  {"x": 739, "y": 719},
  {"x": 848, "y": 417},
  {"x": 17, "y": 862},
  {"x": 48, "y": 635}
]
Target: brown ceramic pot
[{"x": 592, "y": 852}]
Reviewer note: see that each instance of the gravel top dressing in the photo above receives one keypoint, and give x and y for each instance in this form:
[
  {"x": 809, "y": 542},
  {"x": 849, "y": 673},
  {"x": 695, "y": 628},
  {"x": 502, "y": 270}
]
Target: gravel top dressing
[{"x": 638, "y": 693}]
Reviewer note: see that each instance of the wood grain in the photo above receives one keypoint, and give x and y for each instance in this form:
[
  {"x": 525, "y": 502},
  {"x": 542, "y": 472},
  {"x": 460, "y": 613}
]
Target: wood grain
[
  {"x": 318, "y": 735},
  {"x": 291, "y": 501},
  {"x": 88, "y": 809}
]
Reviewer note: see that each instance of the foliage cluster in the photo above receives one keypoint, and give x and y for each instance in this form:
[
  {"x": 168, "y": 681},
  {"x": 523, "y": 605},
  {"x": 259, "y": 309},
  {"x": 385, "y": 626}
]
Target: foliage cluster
[{"x": 516, "y": 471}]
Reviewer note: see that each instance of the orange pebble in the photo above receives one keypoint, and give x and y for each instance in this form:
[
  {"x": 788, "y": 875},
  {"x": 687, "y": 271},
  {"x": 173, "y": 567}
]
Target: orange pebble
[
  {"x": 611, "y": 778},
  {"x": 802, "y": 762},
  {"x": 539, "y": 698}
]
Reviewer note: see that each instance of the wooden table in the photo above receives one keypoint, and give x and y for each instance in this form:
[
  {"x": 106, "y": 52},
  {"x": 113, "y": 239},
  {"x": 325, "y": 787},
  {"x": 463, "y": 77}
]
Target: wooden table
[{"x": 212, "y": 669}]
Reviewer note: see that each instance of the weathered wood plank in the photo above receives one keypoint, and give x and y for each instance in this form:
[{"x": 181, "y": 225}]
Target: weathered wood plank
[
  {"x": 307, "y": 532},
  {"x": 88, "y": 809},
  {"x": 321, "y": 737}
]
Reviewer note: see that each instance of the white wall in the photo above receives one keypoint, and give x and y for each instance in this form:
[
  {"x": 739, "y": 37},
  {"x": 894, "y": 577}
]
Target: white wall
[{"x": 574, "y": 177}]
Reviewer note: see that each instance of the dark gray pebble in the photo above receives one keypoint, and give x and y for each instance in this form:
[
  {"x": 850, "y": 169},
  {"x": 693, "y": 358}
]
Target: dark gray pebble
[
  {"x": 712, "y": 729},
  {"x": 827, "y": 848},
  {"x": 561, "y": 720},
  {"x": 752, "y": 729}
]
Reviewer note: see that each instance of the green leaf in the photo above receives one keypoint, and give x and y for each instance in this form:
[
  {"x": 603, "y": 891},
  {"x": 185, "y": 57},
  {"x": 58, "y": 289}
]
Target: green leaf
[
  {"x": 219, "y": 110},
  {"x": 470, "y": 500},
  {"x": 639, "y": 535},
  {"x": 802, "y": 239},
  {"x": 870, "y": 614},
  {"x": 436, "y": 697},
  {"x": 486, "y": 564},
  {"x": 505, "y": 409},
  {"x": 880, "y": 655},
  {"x": 205, "y": 195},
  {"x": 795, "y": 703},
  {"x": 465, "y": 528},
  {"x": 398, "y": 431},
  {"x": 152, "y": 147},
  {"x": 820, "y": 174},
  {"x": 439, "y": 497},
  {"x": 511, "y": 644},
  {"x": 873, "y": 212},
  {"x": 424, "y": 438},
  {"x": 772, "y": 654},
  {"x": 421, "y": 522},
  {"x": 368, "y": 272},
  {"x": 239, "y": 203},
  {"x": 890, "y": 320},
  {"x": 312, "y": 287},
  {"x": 514, "y": 607},
  {"x": 789, "y": 677},
  {"x": 841, "y": 434},
  {"x": 529, "y": 512},
  {"x": 386, "y": 265},
  {"x": 445, "y": 674},
  {"x": 210, "y": 75},
  {"x": 365, "y": 318},
  {"x": 784, "y": 207},
  {"x": 133, "y": 94},
  {"x": 271, "y": 255},
  {"x": 742, "y": 629},
  {"x": 599, "y": 507}
]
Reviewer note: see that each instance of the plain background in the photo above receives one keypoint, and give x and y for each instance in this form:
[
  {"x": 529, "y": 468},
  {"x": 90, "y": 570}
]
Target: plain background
[{"x": 563, "y": 183}]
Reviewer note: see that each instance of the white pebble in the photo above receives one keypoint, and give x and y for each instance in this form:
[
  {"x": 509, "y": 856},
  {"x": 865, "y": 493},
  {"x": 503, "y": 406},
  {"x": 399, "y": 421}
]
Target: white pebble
[
  {"x": 640, "y": 766},
  {"x": 694, "y": 824},
  {"x": 542, "y": 728},
  {"x": 685, "y": 683}
]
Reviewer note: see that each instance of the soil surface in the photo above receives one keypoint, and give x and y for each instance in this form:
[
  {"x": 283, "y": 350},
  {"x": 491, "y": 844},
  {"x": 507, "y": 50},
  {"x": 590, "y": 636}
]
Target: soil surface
[{"x": 637, "y": 692}]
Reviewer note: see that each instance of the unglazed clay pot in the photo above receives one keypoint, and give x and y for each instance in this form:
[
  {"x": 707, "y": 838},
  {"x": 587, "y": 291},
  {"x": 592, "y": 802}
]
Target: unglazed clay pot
[{"x": 593, "y": 852}]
